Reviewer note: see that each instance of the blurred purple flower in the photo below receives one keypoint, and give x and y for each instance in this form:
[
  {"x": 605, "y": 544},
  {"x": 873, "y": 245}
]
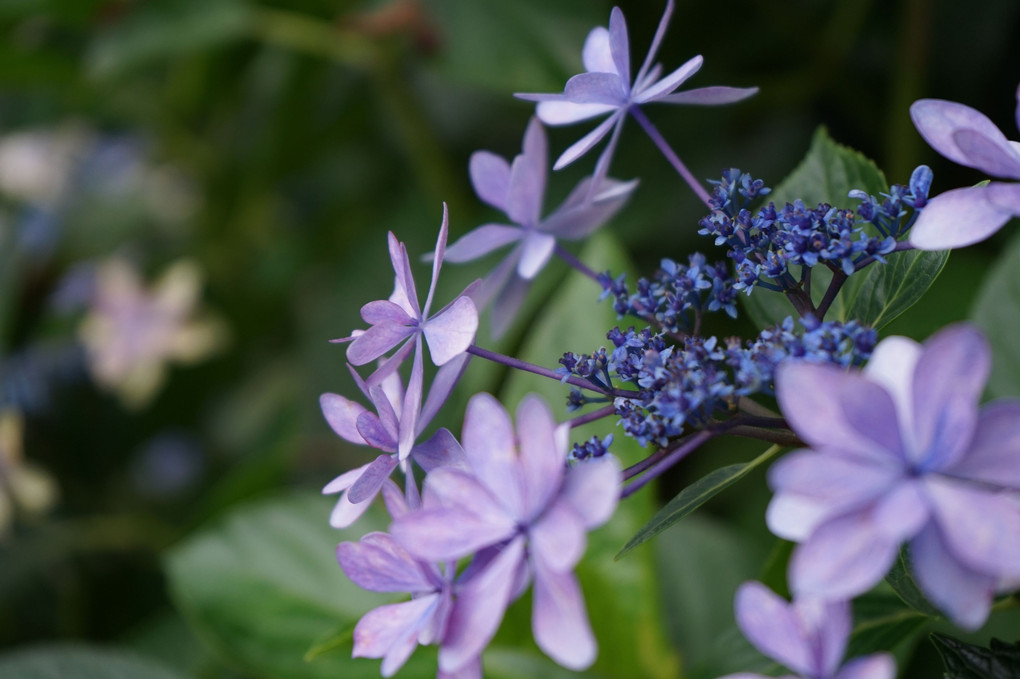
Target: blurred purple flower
[
  {"x": 808, "y": 636},
  {"x": 968, "y": 215},
  {"x": 606, "y": 87},
  {"x": 399, "y": 319},
  {"x": 519, "y": 492},
  {"x": 902, "y": 452},
  {"x": 518, "y": 189}
]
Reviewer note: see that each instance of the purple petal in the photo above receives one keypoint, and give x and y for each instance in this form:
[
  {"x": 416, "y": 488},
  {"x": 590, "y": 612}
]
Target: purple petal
[
  {"x": 371, "y": 480},
  {"x": 482, "y": 241},
  {"x": 437, "y": 260},
  {"x": 536, "y": 249},
  {"x": 388, "y": 400},
  {"x": 450, "y": 332},
  {"x": 379, "y": 564},
  {"x": 830, "y": 408},
  {"x": 442, "y": 450},
  {"x": 958, "y": 218},
  {"x": 579, "y": 148},
  {"x": 653, "y": 49},
  {"x": 404, "y": 293},
  {"x": 508, "y": 303},
  {"x": 411, "y": 410},
  {"x": 844, "y": 557},
  {"x": 997, "y": 159},
  {"x": 948, "y": 380},
  {"x": 771, "y": 624},
  {"x": 1005, "y": 196},
  {"x": 527, "y": 178},
  {"x": 558, "y": 538},
  {"x": 445, "y": 380},
  {"x": 559, "y": 620},
  {"x": 479, "y": 608},
  {"x": 579, "y": 216},
  {"x": 994, "y": 451},
  {"x": 874, "y": 666},
  {"x": 488, "y": 442},
  {"x": 938, "y": 122},
  {"x": 670, "y": 82},
  {"x": 981, "y": 527},
  {"x": 597, "y": 56},
  {"x": 961, "y": 593},
  {"x": 562, "y": 112},
  {"x": 709, "y": 96},
  {"x": 490, "y": 176},
  {"x": 542, "y": 457},
  {"x": 892, "y": 365},
  {"x": 592, "y": 487},
  {"x": 596, "y": 88},
  {"x": 345, "y": 480},
  {"x": 471, "y": 670},
  {"x": 346, "y": 512},
  {"x": 393, "y": 497},
  {"x": 388, "y": 367},
  {"x": 342, "y": 416},
  {"x": 391, "y": 632},
  {"x": 618, "y": 45},
  {"x": 376, "y": 341},
  {"x": 384, "y": 311},
  {"x": 371, "y": 428}
]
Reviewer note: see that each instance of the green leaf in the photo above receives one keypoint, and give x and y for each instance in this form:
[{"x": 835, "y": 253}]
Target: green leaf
[
  {"x": 966, "y": 661},
  {"x": 882, "y": 292},
  {"x": 695, "y": 495},
  {"x": 902, "y": 581},
  {"x": 263, "y": 585},
  {"x": 883, "y": 634},
  {"x": 61, "y": 661},
  {"x": 997, "y": 312}
]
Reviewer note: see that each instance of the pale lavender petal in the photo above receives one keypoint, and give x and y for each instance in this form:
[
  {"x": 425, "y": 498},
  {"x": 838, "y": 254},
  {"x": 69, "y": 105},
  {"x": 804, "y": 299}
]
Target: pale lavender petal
[
  {"x": 445, "y": 380},
  {"x": 752, "y": 675},
  {"x": 997, "y": 159},
  {"x": 435, "y": 628},
  {"x": 994, "y": 453},
  {"x": 437, "y": 260},
  {"x": 579, "y": 148},
  {"x": 829, "y": 624},
  {"x": 366, "y": 487},
  {"x": 1005, "y": 196},
  {"x": 536, "y": 249},
  {"x": 450, "y": 332},
  {"x": 958, "y": 218},
  {"x": 346, "y": 512},
  {"x": 902, "y": 513},
  {"x": 709, "y": 96},
  {"x": 342, "y": 415},
  {"x": 618, "y": 45},
  {"x": 442, "y": 450},
  {"x": 488, "y": 442},
  {"x": 980, "y": 526},
  {"x": 892, "y": 365},
  {"x": 559, "y": 620},
  {"x": 653, "y": 49},
  {"x": 542, "y": 460},
  {"x": 388, "y": 404},
  {"x": 376, "y": 341},
  {"x": 411, "y": 410},
  {"x": 393, "y": 497},
  {"x": 497, "y": 279},
  {"x": 527, "y": 178},
  {"x": 580, "y": 215},
  {"x": 596, "y": 55},
  {"x": 404, "y": 293},
  {"x": 471, "y": 670},
  {"x": 345, "y": 480},
  {"x": 371, "y": 429},
  {"x": 771, "y": 624},
  {"x": 960, "y": 592},
  {"x": 384, "y": 311},
  {"x": 670, "y": 82},
  {"x": 874, "y": 666},
  {"x": 938, "y": 122},
  {"x": 948, "y": 381},
  {"x": 562, "y": 112},
  {"x": 482, "y": 241},
  {"x": 844, "y": 557},
  {"x": 490, "y": 176},
  {"x": 606, "y": 157},
  {"x": 592, "y": 487},
  {"x": 379, "y": 564},
  {"x": 558, "y": 537},
  {"x": 596, "y": 88},
  {"x": 830, "y": 408},
  {"x": 391, "y": 632},
  {"x": 479, "y": 608},
  {"x": 508, "y": 303}
]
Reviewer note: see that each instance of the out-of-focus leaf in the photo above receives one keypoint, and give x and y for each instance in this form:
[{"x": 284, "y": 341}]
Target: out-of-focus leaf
[
  {"x": 902, "y": 581},
  {"x": 151, "y": 31},
  {"x": 62, "y": 661},
  {"x": 884, "y": 291},
  {"x": 966, "y": 661},
  {"x": 997, "y": 312},
  {"x": 263, "y": 585}
]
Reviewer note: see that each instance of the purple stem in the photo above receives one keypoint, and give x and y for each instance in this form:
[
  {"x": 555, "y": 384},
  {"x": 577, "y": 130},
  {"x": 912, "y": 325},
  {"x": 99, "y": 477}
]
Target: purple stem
[
  {"x": 575, "y": 263},
  {"x": 546, "y": 372},
  {"x": 674, "y": 160},
  {"x": 668, "y": 460},
  {"x": 592, "y": 416}
]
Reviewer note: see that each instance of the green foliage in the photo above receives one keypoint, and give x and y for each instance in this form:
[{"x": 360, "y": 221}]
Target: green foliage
[
  {"x": 903, "y": 583},
  {"x": 967, "y": 661},
  {"x": 997, "y": 312},
  {"x": 62, "y": 661}
]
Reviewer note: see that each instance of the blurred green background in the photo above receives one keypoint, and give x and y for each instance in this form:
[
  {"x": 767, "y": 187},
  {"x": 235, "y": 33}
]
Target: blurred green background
[{"x": 275, "y": 143}]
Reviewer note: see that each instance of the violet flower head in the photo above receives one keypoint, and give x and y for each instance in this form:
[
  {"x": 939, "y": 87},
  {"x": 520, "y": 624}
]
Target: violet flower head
[
  {"x": 525, "y": 514},
  {"x": 901, "y": 452},
  {"x": 809, "y": 636},
  {"x": 518, "y": 189},
  {"x": 971, "y": 214},
  {"x": 606, "y": 87}
]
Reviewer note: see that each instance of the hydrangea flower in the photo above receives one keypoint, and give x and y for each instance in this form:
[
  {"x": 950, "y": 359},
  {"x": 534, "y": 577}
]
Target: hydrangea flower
[
  {"x": 901, "y": 452},
  {"x": 522, "y": 509},
  {"x": 518, "y": 189},
  {"x": 399, "y": 319},
  {"x": 971, "y": 214},
  {"x": 606, "y": 87},
  {"x": 809, "y": 636}
]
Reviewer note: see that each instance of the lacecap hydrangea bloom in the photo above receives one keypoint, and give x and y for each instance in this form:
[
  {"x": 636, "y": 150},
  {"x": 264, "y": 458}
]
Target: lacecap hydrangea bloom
[
  {"x": 971, "y": 214},
  {"x": 901, "y": 452}
]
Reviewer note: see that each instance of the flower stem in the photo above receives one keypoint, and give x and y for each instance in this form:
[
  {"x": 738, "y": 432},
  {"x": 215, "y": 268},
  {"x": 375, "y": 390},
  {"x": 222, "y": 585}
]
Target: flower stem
[
  {"x": 594, "y": 415},
  {"x": 575, "y": 263},
  {"x": 670, "y": 457},
  {"x": 671, "y": 156},
  {"x": 546, "y": 372}
]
